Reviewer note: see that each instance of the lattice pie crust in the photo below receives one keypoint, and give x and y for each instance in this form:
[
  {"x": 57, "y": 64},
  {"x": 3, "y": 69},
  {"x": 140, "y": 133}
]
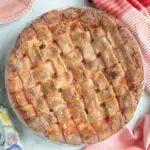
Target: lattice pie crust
[{"x": 75, "y": 75}]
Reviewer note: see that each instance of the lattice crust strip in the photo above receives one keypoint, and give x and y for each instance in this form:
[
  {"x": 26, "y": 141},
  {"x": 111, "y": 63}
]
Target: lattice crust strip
[{"x": 71, "y": 75}]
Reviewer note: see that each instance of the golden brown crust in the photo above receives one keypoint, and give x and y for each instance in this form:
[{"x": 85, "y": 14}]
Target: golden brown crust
[{"x": 71, "y": 75}]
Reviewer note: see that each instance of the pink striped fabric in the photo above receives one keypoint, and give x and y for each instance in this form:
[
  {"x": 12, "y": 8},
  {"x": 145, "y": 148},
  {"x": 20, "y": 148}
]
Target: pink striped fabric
[
  {"x": 126, "y": 139},
  {"x": 135, "y": 14}
]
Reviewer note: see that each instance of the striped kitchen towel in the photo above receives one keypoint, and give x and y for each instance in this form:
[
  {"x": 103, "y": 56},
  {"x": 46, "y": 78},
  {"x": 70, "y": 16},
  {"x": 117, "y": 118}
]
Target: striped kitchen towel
[
  {"x": 135, "y": 14},
  {"x": 126, "y": 139}
]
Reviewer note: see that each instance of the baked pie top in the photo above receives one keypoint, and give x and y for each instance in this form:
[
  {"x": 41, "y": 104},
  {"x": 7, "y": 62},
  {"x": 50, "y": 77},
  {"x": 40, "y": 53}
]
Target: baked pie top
[{"x": 75, "y": 75}]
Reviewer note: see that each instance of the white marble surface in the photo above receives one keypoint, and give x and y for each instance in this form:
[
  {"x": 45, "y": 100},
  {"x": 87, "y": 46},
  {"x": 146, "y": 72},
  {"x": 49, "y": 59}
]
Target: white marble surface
[{"x": 8, "y": 35}]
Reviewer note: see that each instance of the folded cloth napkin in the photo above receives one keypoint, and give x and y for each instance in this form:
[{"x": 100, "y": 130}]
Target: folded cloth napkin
[
  {"x": 126, "y": 139},
  {"x": 135, "y": 14}
]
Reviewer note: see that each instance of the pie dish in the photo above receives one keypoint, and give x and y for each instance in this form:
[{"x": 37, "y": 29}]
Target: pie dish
[{"x": 75, "y": 75}]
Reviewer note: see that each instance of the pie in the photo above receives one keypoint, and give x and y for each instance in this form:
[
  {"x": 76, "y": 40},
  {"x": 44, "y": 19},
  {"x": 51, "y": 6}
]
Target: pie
[{"x": 75, "y": 75}]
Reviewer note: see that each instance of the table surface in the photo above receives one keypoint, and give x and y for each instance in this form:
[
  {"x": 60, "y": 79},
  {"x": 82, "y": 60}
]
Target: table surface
[{"x": 8, "y": 35}]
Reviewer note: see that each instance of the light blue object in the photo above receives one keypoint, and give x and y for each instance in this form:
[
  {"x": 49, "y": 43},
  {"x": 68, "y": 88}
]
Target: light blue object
[
  {"x": 14, "y": 147},
  {"x": 2, "y": 135}
]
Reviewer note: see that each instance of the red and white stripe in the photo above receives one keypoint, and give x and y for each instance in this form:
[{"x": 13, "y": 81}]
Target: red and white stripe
[{"x": 135, "y": 14}]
